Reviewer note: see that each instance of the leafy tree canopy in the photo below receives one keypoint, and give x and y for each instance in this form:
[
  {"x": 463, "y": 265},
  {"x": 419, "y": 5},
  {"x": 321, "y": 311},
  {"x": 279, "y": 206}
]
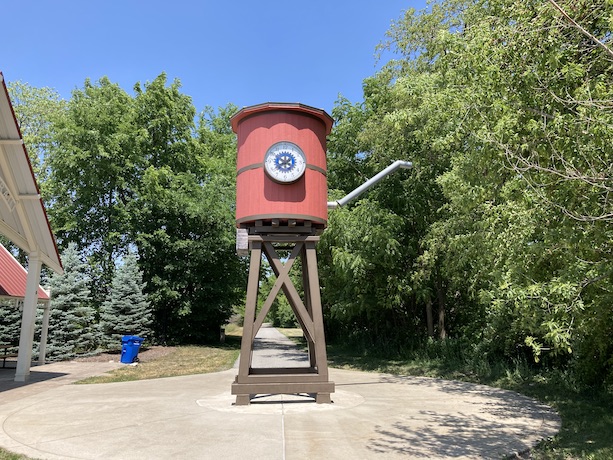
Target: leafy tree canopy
[{"x": 505, "y": 109}]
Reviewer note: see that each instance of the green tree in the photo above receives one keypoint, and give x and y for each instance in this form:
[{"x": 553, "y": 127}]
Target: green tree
[
  {"x": 363, "y": 281},
  {"x": 94, "y": 161},
  {"x": 136, "y": 171},
  {"x": 126, "y": 310},
  {"x": 522, "y": 95},
  {"x": 10, "y": 322},
  {"x": 187, "y": 256},
  {"x": 35, "y": 109},
  {"x": 376, "y": 241},
  {"x": 73, "y": 326},
  {"x": 504, "y": 224},
  {"x": 182, "y": 215},
  {"x": 164, "y": 121}
]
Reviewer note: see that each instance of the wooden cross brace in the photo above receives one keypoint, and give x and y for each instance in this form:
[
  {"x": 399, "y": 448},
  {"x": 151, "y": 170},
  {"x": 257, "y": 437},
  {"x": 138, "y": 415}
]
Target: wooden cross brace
[{"x": 284, "y": 282}]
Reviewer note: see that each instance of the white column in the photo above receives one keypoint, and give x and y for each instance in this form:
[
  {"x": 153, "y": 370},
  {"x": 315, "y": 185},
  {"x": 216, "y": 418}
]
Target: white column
[
  {"x": 28, "y": 318},
  {"x": 42, "y": 347}
]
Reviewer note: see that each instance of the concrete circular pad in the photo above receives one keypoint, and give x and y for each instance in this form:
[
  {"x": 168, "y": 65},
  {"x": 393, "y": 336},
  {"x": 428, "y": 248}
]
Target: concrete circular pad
[{"x": 372, "y": 416}]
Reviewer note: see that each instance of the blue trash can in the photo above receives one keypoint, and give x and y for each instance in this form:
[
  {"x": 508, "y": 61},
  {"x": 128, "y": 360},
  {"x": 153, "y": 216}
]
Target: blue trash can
[{"x": 129, "y": 348}]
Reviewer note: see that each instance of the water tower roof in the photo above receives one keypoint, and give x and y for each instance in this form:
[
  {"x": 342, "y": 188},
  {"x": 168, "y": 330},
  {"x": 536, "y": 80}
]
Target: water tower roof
[{"x": 246, "y": 112}]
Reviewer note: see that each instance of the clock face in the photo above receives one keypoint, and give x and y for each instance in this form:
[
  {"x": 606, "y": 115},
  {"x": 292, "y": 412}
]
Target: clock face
[{"x": 285, "y": 162}]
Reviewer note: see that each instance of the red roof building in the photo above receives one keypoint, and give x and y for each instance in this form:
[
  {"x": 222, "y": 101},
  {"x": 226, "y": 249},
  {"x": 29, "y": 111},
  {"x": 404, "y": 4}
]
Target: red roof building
[{"x": 13, "y": 277}]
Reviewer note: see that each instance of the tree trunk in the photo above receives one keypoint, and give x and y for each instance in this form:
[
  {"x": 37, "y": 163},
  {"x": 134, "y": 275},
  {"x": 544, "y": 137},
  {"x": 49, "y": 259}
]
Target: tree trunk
[
  {"x": 429, "y": 318},
  {"x": 440, "y": 292}
]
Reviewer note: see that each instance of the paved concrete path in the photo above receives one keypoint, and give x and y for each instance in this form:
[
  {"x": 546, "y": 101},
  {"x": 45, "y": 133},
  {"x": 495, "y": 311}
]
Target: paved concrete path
[
  {"x": 373, "y": 416},
  {"x": 273, "y": 349}
]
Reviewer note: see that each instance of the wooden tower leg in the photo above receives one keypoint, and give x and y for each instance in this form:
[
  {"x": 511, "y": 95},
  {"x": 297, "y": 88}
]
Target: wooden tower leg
[
  {"x": 314, "y": 297},
  {"x": 306, "y": 284},
  {"x": 249, "y": 319}
]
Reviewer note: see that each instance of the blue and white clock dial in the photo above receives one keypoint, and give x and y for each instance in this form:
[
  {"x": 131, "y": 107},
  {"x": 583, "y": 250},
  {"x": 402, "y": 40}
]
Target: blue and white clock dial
[{"x": 285, "y": 162}]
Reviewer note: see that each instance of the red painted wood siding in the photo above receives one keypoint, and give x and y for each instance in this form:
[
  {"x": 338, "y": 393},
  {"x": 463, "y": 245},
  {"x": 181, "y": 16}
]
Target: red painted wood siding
[{"x": 258, "y": 196}]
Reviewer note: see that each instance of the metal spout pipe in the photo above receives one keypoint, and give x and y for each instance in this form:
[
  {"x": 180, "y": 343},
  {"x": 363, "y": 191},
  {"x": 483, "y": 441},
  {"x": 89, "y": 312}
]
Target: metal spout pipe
[{"x": 369, "y": 183}]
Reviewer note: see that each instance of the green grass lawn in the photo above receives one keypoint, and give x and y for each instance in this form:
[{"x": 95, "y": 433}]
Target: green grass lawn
[
  {"x": 6, "y": 455},
  {"x": 587, "y": 416},
  {"x": 186, "y": 360}
]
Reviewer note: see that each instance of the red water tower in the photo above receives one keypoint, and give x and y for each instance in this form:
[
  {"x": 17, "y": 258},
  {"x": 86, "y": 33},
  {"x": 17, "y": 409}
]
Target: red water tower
[
  {"x": 282, "y": 204},
  {"x": 281, "y": 165}
]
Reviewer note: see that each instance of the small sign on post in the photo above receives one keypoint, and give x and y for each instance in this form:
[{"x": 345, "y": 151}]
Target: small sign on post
[{"x": 242, "y": 242}]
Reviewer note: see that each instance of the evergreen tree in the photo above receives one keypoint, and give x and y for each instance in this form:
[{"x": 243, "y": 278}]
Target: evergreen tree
[
  {"x": 10, "y": 322},
  {"x": 126, "y": 310},
  {"x": 72, "y": 323}
]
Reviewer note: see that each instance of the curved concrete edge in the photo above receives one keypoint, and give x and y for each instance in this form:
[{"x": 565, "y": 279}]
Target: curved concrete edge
[{"x": 372, "y": 415}]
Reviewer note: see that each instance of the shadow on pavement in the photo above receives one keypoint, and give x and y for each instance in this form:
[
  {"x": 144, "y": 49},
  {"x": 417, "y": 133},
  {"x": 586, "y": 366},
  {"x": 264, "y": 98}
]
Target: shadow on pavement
[{"x": 7, "y": 378}]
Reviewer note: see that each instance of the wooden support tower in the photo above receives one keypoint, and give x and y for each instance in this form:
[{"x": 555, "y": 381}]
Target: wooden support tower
[{"x": 314, "y": 380}]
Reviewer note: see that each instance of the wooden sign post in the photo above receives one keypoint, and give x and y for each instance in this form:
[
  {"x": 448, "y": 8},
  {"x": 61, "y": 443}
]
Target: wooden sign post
[{"x": 281, "y": 203}]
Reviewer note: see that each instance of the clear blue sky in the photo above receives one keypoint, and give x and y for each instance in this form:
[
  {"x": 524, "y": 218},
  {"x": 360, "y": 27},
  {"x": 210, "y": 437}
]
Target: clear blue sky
[{"x": 243, "y": 52}]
